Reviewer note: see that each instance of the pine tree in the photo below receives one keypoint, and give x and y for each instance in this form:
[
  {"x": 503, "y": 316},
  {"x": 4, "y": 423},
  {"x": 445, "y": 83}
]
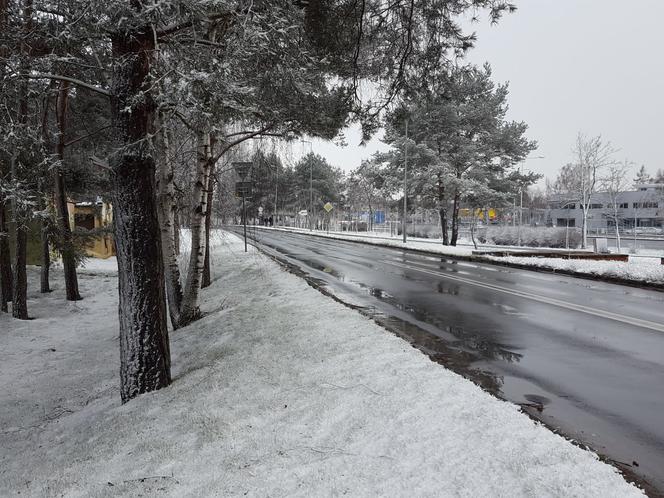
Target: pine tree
[
  {"x": 642, "y": 176},
  {"x": 460, "y": 142}
]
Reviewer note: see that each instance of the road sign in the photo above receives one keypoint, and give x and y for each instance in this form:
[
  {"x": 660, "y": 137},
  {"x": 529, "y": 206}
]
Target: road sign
[
  {"x": 260, "y": 209},
  {"x": 242, "y": 168},
  {"x": 243, "y": 189},
  {"x": 328, "y": 207},
  {"x": 303, "y": 212}
]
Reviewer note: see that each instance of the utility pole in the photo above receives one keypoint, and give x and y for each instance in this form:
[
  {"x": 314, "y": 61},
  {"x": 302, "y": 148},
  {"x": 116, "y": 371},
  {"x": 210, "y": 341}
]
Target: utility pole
[
  {"x": 520, "y": 212},
  {"x": 276, "y": 192},
  {"x": 405, "y": 186}
]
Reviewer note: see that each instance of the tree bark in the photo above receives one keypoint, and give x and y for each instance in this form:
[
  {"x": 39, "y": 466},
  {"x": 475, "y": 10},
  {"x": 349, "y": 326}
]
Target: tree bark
[
  {"x": 20, "y": 277},
  {"x": 45, "y": 286},
  {"x": 190, "y": 311},
  {"x": 206, "y": 278},
  {"x": 60, "y": 197},
  {"x": 6, "y": 278},
  {"x": 45, "y": 269},
  {"x": 144, "y": 348},
  {"x": 442, "y": 211},
  {"x": 455, "y": 218},
  {"x": 6, "y": 286},
  {"x": 176, "y": 228},
  {"x": 19, "y": 298},
  {"x": 166, "y": 212}
]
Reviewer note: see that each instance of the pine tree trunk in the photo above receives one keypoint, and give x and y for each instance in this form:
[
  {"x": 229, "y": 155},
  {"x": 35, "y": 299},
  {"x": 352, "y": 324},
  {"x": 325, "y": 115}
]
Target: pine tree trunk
[
  {"x": 190, "y": 311},
  {"x": 60, "y": 197},
  {"x": 20, "y": 280},
  {"x": 6, "y": 278},
  {"x": 442, "y": 211},
  {"x": 455, "y": 218},
  {"x": 45, "y": 270},
  {"x": 144, "y": 347},
  {"x": 6, "y": 285},
  {"x": 20, "y": 277},
  {"x": 45, "y": 286},
  {"x": 206, "y": 278},
  {"x": 166, "y": 212},
  {"x": 20, "y": 297}
]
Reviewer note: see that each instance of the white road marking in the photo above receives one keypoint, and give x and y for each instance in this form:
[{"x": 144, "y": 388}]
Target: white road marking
[{"x": 542, "y": 299}]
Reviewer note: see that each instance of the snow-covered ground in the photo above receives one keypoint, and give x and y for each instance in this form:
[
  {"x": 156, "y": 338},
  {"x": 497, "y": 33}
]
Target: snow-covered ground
[
  {"x": 638, "y": 269},
  {"x": 278, "y": 391}
]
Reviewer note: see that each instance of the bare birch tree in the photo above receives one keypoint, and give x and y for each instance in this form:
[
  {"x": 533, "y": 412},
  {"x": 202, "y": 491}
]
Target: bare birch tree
[
  {"x": 614, "y": 183},
  {"x": 593, "y": 155}
]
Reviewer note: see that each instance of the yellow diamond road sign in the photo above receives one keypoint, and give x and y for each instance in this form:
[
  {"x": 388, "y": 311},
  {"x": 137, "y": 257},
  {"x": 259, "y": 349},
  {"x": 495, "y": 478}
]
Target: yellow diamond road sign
[{"x": 328, "y": 207}]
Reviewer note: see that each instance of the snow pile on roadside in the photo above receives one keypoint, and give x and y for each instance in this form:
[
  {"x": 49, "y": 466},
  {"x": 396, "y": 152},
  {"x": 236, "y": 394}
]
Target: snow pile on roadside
[
  {"x": 278, "y": 391},
  {"x": 638, "y": 269}
]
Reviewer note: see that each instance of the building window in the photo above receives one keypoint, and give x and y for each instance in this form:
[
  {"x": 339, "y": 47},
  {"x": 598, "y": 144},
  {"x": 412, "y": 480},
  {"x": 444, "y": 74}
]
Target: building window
[
  {"x": 83, "y": 220},
  {"x": 624, "y": 205},
  {"x": 645, "y": 205}
]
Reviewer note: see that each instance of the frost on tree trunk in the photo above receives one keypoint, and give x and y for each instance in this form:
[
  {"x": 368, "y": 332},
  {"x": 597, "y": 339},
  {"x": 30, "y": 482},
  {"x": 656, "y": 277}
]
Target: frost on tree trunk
[
  {"x": 442, "y": 211},
  {"x": 584, "y": 226},
  {"x": 615, "y": 217},
  {"x": 20, "y": 280},
  {"x": 144, "y": 348},
  {"x": 5, "y": 260},
  {"x": 5, "y": 257},
  {"x": 44, "y": 273},
  {"x": 455, "y": 218},
  {"x": 176, "y": 229},
  {"x": 190, "y": 309},
  {"x": 207, "y": 275},
  {"x": 60, "y": 198},
  {"x": 166, "y": 212},
  {"x": 19, "y": 298}
]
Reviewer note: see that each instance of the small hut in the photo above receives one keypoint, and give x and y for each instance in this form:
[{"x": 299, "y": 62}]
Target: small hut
[{"x": 94, "y": 216}]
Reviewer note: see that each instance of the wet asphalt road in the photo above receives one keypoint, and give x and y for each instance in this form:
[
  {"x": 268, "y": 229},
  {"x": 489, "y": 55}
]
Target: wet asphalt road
[{"x": 585, "y": 357}]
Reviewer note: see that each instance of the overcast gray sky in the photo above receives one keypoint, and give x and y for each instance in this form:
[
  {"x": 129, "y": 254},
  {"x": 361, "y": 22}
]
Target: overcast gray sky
[{"x": 594, "y": 66}]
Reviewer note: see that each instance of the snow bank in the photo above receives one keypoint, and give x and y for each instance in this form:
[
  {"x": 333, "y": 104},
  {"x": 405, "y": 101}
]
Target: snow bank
[
  {"x": 278, "y": 391},
  {"x": 639, "y": 269}
]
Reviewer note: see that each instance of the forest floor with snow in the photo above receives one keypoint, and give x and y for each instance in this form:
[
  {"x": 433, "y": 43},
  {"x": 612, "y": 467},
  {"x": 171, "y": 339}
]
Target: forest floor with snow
[
  {"x": 638, "y": 269},
  {"x": 277, "y": 391}
]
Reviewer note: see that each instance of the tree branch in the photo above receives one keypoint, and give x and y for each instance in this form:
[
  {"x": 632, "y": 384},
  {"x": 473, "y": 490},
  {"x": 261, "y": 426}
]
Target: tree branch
[
  {"x": 78, "y": 139},
  {"x": 82, "y": 84},
  {"x": 174, "y": 28},
  {"x": 232, "y": 144}
]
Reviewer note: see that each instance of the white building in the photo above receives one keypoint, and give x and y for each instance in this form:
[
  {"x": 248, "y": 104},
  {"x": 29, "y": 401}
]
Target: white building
[{"x": 643, "y": 207}]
